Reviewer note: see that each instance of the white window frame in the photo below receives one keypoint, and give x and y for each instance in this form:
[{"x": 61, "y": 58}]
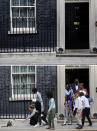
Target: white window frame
[
  {"x": 21, "y": 30},
  {"x": 18, "y": 97}
]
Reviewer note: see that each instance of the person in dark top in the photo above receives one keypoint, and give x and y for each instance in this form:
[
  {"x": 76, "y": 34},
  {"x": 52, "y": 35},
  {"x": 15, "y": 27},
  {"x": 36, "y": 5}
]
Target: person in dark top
[{"x": 75, "y": 86}]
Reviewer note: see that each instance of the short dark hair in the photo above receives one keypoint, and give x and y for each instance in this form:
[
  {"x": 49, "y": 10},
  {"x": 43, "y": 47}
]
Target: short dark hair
[
  {"x": 34, "y": 90},
  {"x": 49, "y": 94},
  {"x": 81, "y": 93}
]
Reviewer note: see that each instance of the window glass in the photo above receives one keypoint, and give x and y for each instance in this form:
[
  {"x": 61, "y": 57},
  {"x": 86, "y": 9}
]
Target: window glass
[
  {"x": 23, "y": 79},
  {"x": 31, "y": 2},
  {"x": 31, "y": 12},
  {"x": 23, "y": 2},
  {"x": 31, "y": 68},
  {"x": 15, "y": 2},
  {"x": 23, "y": 13},
  {"x": 15, "y": 12},
  {"x": 15, "y": 69},
  {"x": 31, "y": 78},
  {"x": 23, "y": 68}
]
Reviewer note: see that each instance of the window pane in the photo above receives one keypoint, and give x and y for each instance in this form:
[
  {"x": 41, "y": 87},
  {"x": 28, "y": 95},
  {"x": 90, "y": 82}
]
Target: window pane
[
  {"x": 31, "y": 78},
  {"x": 20, "y": 89},
  {"x": 31, "y": 68},
  {"x": 23, "y": 12},
  {"x": 31, "y": 12},
  {"x": 15, "y": 23},
  {"x": 24, "y": 23},
  {"x": 23, "y": 78},
  {"x": 23, "y": 2},
  {"x": 23, "y": 68},
  {"x": 15, "y": 12},
  {"x": 15, "y": 69},
  {"x": 19, "y": 23},
  {"x": 23, "y": 82},
  {"x": 31, "y": 2},
  {"x": 29, "y": 88},
  {"x": 15, "y": 2},
  {"x": 16, "y": 79},
  {"x": 31, "y": 23},
  {"x": 16, "y": 89}
]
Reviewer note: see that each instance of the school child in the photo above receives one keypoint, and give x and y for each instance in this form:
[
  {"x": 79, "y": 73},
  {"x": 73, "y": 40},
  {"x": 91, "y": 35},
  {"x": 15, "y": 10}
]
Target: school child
[
  {"x": 69, "y": 92},
  {"x": 68, "y": 111},
  {"x": 51, "y": 111},
  {"x": 38, "y": 98},
  {"x": 86, "y": 109},
  {"x": 78, "y": 109},
  {"x": 33, "y": 116}
]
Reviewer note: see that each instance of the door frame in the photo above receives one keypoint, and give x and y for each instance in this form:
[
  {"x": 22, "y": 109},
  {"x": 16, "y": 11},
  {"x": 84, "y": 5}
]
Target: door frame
[{"x": 61, "y": 22}]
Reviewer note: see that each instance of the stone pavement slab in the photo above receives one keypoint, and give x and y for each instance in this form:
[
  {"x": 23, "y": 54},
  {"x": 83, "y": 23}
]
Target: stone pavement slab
[{"x": 24, "y": 126}]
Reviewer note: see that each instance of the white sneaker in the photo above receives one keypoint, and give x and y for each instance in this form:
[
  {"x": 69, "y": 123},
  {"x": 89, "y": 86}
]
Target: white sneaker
[
  {"x": 43, "y": 122},
  {"x": 37, "y": 125},
  {"x": 63, "y": 124}
]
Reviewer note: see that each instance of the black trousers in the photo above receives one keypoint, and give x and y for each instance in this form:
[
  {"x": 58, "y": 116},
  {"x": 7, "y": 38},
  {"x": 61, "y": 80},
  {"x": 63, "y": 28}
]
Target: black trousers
[
  {"x": 34, "y": 119},
  {"x": 86, "y": 113}
]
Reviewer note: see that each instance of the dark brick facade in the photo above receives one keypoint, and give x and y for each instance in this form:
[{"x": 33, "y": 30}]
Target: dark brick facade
[
  {"x": 46, "y": 27},
  {"x": 46, "y": 81}
]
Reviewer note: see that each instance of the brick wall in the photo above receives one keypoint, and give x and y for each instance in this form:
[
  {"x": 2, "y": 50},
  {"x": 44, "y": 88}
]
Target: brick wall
[
  {"x": 46, "y": 27},
  {"x": 46, "y": 80}
]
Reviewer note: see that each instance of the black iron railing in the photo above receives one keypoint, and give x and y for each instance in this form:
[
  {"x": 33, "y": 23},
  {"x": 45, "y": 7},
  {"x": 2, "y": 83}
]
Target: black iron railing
[
  {"x": 14, "y": 101},
  {"x": 27, "y": 35}
]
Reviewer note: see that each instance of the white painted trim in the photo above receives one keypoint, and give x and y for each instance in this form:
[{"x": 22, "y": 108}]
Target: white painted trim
[
  {"x": 92, "y": 28},
  {"x": 15, "y": 97},
  {"x": 21, "y": 30},
  {"x": 61, "y": 22},
  {"x": 93, "y": 85},
  {"x": 60, "y": 88}
]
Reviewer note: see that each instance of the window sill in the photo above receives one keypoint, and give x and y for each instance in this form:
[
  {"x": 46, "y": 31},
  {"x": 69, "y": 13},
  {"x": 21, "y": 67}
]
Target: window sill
[
  {"x": 28, "y": 31},
  {"x": 27, "y": 98}
]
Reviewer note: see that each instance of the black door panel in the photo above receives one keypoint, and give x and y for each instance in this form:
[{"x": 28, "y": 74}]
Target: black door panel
[{"x": 77, "y": 25}]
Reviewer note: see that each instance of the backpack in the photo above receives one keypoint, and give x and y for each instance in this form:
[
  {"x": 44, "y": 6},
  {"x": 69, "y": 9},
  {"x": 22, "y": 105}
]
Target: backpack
[{"x": 90, "y": 99}]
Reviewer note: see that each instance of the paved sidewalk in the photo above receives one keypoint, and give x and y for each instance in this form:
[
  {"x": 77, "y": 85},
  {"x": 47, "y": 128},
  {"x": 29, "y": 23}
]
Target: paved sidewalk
[{"x": 20, "y": 126}]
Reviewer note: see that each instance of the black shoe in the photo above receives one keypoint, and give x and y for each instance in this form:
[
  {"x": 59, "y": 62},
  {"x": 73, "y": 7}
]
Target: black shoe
[
  {"x": 79, "y": 127},
  {"x": 69, "y": 123},
  {"x": 90, "y": 125},
  {"x": 63, "y": 124}
]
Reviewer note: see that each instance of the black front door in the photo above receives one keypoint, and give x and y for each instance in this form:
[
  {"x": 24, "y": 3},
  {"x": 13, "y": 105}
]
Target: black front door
[{"x": 77, "y": 25}]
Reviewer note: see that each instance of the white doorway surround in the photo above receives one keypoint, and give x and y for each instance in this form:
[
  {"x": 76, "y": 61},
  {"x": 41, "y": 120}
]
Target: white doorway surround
[
  {"x": 61, "y": 85},
  {"x": 61, "y": 22}
]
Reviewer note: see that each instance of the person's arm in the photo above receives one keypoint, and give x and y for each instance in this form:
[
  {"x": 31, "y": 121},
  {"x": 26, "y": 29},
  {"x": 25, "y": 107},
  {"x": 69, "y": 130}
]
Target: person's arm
[
  {"x": 41, "y": 101},
  {"x": 39, "y": 96},
  {"x": 32, "y": 114},
  {"x": 67, "y": 92}
]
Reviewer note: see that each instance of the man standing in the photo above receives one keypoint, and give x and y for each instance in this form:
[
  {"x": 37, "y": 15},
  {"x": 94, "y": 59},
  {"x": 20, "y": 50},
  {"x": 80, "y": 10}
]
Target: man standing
[
  {"x": 39, "y": 106},
  {"x": 38, "y": 98},
  {"x": 86, "y": 109},
  {"x": 75, "y": 85}
]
